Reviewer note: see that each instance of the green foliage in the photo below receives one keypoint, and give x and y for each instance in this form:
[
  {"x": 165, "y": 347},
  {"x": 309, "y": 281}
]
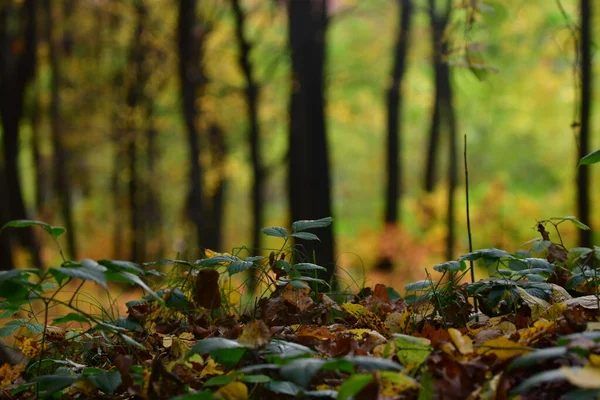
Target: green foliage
[{"x": 537, "y": 295}]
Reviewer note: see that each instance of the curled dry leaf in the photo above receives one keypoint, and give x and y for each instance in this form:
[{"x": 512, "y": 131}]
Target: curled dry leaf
[
  {"x": 256, "y": 334},
  {"x": 206, "y": 290}
]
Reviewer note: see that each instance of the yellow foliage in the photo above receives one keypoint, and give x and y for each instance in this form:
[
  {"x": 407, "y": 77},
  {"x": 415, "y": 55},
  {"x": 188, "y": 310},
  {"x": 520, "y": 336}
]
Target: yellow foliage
[
  {"x": 233, "y": 391},
  {"x": 502, "y": 348}
]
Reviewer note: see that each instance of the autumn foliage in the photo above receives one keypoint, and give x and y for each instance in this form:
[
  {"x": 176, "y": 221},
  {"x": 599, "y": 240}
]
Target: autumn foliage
[{"x": 531, "y": 330}]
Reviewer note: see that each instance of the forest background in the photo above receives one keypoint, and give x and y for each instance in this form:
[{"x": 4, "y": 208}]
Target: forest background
[{"x": 135, "y": 129}]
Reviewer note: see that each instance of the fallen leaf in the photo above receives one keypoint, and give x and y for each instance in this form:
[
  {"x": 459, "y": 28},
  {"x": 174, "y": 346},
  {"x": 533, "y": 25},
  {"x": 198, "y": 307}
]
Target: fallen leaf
[
  {"x": 502, "y": 348},
  {"x": 233, "y": 391},
  {"x": 206, "y": 290},
  {"x": 256, "y": 334},
  {"x": 587, "y": 377},
  {"x": 464, "y": 344}
]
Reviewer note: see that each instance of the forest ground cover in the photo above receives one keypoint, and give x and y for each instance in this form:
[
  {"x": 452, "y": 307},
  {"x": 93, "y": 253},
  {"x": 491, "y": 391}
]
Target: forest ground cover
[{"x": 529, "y": 330}]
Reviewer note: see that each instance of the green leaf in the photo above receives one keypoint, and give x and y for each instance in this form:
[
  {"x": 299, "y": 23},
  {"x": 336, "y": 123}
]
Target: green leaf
[
  {"x": 302, "y": 370},
  {"x": 138, "y": 281},
  {"x": 276, "y": 231},
  {"x": 283, "y": 387},
  {"x": 308, "y": 267},
  {"x": 220, "y": 380},
  {"x": 50, "y": 384},
  {"x": 542, "y": 377},
  {"x": 449, "y": 266},
  {"x": 339, "y": 364},
  {"x": 353, "y": 385},
  {"x": 537, "y": 357},
  {"x": 285, "y": 349},
  {"x": 208, "y": 345},
  {"x": 489, "y": 254},
  {"x": 591, "y": 158},
  {"x": 168, "y": 262},
  {"x": 411, "y": 350},
  {"x": 176, "y": 299},
  {"x": 305, "y": 236},
  {"x": 54, "y": 231},
  {"x": 427, "y": 386},
  {"x": 88, "y": 270},
  {"x": 69, "y": 318},
  {"x": 239, "y": 266},
  {"x": 303, "y": 225},
  {"x": 131, "y": 342},
  {"x": 419, "y": 285},
  {"x": 255, "y": 378},
  {"x": 575, "y": 221},
  {"x": 229, "y": 358},
  {"x": 117, "y": 265},
  {"x": 107, "y": 381},
  {"x": 11, "y": 327},
  {"x": 129, "y": 324},
  {"x": 374, "y": 363},
  {"x": 216, "y": 260}
]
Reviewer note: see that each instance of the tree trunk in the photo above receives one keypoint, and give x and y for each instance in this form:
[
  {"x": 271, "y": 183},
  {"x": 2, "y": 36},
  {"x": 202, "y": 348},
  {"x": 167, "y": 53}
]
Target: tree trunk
[
  {"x": 309, "y": 180},
  {"x": 438, "y": 27},
  {"x": 252, "y": 97},
  {"x": 61, "y": 156},
  {"x": 16, "y": 71},
  {"x": 443, "y": 119},
  {"x": 586, "y": 84},
  {"x": 192, "y": 79},
  {"x": 393, "y": 194},
  {"x": 136, "y": 98}
]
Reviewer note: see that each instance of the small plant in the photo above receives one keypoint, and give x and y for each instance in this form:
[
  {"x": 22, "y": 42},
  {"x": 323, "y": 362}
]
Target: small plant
[{"x": 187, "y": 337}]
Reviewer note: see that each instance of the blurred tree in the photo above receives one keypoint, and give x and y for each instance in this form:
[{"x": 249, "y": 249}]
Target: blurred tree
[
  {"x": 204, "y": 204},
  {"x": 61, "y": 154},
  {"x": 443, "y": 117},
  {"x": 585, "y": 84},
  {"x": 18, "y": 44},
  {"x": 393, "y": 194},
  {"x": 251, "y": 93},
  {"x": 309, "y": 177}
]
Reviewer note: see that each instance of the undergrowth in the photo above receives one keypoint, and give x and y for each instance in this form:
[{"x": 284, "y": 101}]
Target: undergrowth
[{"x": 531, "y": 330}]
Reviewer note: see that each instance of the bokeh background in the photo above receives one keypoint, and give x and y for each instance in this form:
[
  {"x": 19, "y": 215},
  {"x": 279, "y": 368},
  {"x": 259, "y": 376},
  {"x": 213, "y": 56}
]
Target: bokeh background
[{"x": 98, "y": 89}]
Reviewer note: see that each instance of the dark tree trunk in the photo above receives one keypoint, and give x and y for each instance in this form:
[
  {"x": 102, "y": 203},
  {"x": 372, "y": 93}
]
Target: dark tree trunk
[
  {"x": 61, "y": 155},
  {"x": 585, "y": 73},
  {"x": 393, "y": 193},
  {"x": 309, "y": 180},
  {"x": 17, "y": 67},
  {"x": 452, "y": 167},
  {"x": 441, "y": 71},
  {"x": 134, "y": 99},
  {"x": 152, "y": 210},
  {"x": 216, "y": 142},
  {"x": 6, "y": 256},
  {"x": 252, "y": 98},
  {"x": 443, "y": 119},
  {"x": 191, "y": 75}
]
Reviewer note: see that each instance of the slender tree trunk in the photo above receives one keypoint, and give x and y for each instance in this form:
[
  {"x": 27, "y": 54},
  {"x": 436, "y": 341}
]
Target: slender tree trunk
[
  {"x": 393, "y": 194},
  {"x": 192, "y": 79},
  {"x": 452, "y": 167},
  {"x": 252, "y": 97},
  {"x": 586, "y": 84},
  {"x": 309, "y": 179},
  {"x": 136, "y": 98},
  {"x": 443, "y": 119},
  {"x": 6, "y": 256},
  {"x": 16, "y": 71},
  {"x": 61, "y": 158},
  {"x": 218, "y": 150},
  {"x": 438, "y": 27}
]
